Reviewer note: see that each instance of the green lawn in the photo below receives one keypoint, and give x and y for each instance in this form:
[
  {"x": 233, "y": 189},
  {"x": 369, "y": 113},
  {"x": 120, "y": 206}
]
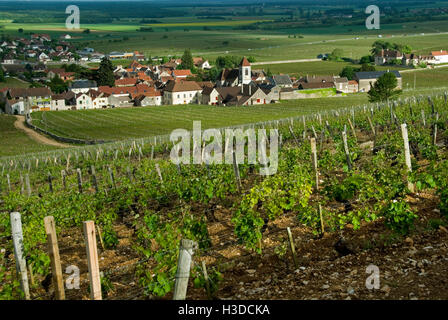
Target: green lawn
[{"x": 16, "y": 142}]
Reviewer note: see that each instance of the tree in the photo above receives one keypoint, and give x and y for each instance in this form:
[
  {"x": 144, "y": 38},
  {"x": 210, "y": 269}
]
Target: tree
[
  {"x": 269, "y": 73},
  {"x": 187, "y": 60},
  {"x": 2, "y": 75},
  {"x": 348, "y": 72},
  {"x": 367, "y": 67},
  {"x": 57, "y": 85},
  {"x": 384, "y": 88},
  {"x": 105, "y": 74},
  {"x": 336, "y": 55},
  {"x": 366, "y": 59}
]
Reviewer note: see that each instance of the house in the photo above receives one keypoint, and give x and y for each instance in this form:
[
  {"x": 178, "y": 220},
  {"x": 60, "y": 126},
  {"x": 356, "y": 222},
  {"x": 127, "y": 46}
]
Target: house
[
  {"x": 181, "y": 92},
  {"x": 66, "y": 76},
  {"x": 200, "y": 63},
  {"x": 152, "y": 98},
  {"x": 15, "y": 106},
  {"x": 120, "y": 101},
  {"x": 126, "y": 82},
  {"x": 126, "y": 91},
  {"x": 440, "y": 56},
  {"x": 282, "y": 80},
  {"x": 271, "y": 90},
  {"x": 258, "y": 75},
  {"x": 116, "y": 55},
  {"x": 82, "y": 86},
  {"x": 428, "y": 59},
  {"x": 353, "y": 86},
  {"x": 367, "y": 79},
  {"x": 410, "y": 59},
  {"x": 63, "y": 101},
  {"x": 387, "y": 56},
  {"x": 235, "y": 77},
  {"x": 341, "y": 84},
  {"x": 315, "y": 85},
  {"x": 138, "y": 56},
  {"x": 228, "y": 78},
  {"x": 181, "y": 74},
  {"x": 249, "y": 94},
  {"x": 36, "y": 99},
  {"x": 43, "y": 57}
]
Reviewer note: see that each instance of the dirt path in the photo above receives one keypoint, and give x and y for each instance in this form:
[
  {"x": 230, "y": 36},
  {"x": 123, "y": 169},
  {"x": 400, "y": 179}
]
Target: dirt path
[{"x": 20, "y": 124}]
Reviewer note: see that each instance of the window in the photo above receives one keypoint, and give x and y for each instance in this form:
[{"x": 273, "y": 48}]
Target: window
[{"x": 247, "y": 72}]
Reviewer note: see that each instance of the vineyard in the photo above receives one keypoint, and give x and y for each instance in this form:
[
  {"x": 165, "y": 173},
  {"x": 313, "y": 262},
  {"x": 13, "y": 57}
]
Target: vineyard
[{"x": 354, "y": 187}]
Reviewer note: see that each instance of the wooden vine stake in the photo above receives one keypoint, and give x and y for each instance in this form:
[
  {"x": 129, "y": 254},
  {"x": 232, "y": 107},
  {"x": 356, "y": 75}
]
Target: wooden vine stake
[
  {"x": 207, "y": 281},
  {"x": 407, "y": 154},
  {"x": 78, "y": 171},
  {"x": 17, "y": 238},
  {"x": 423, "y": 118},
  {"x": 92, "y": 260},
  {"x": 314, "y": 155},
  {"x": 236, "y": 169},
  {"x": 292, "y": 247},
  {"x": 347, "y": 153},
  {"x": 371, "y": 126},
  {"x": 353, "y": 129},
  {"x": 50, "y": 182},
  {"x": 53, "y": 252},
  {"x": 9, "y": 182},
  {"x": 112, "y": 178},
  {"x": 183, "y": 269},
  {"x": 94, "y": 180},
  {"x": 64, "y": 183},
  {"x": 435, "y": 129},
  {"x": 321, "y": 220},
  {"x": 28, "y": 186},
  {"x": 159, "y": 173}
]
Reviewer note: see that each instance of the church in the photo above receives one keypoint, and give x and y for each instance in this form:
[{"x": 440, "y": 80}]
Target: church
[{"x": 236, "y": 77}]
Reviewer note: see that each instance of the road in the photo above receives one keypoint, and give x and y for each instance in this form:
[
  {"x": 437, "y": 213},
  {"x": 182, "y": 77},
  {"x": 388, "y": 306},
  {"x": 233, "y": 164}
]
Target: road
[
  {"x": 284, "y": 61},
  {"x": 20, "y": 124}
]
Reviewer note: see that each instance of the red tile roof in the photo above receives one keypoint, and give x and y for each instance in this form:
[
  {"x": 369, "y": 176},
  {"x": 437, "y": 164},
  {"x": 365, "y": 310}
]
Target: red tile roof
[
  {"x": 126, "y": 82},
  {"x": 439, "y": 53},
  {"x": 245, "y": 62},
  {"x": 182, "y": 73}
]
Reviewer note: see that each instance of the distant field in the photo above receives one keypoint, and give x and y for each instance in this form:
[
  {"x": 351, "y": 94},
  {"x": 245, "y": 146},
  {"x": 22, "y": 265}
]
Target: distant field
[
  {"x": 313, "y": 68},
  {"x": 16, "y": 142},
  {"x": 212, "y": 38}
]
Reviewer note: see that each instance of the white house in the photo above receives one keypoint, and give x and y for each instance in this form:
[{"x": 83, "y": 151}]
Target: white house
[
  {"x": 43, "y": 57},
  {"x": 440, "y": 56},
  {"x": 182, "y": 92},
  {"x": 83, "y": 101},
  {"x": 15, "y": 106}
]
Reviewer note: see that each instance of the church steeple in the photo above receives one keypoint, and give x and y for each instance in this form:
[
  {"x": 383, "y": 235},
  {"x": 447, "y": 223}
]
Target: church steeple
[{"x": 245, "y": 73}]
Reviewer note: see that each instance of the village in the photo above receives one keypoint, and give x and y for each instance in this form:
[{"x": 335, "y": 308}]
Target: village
[{"x": 158, "y": 83}]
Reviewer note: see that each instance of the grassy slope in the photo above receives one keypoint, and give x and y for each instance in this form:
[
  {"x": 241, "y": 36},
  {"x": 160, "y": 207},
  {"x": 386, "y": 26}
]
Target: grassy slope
[
  {"x": 16, "y": 142},
  {"x": 13, "y": 83},
  {"x": 119, "y": 124}
]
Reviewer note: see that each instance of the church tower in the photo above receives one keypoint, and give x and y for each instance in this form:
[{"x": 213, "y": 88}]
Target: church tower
[{"x": 245, "y": 74}]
